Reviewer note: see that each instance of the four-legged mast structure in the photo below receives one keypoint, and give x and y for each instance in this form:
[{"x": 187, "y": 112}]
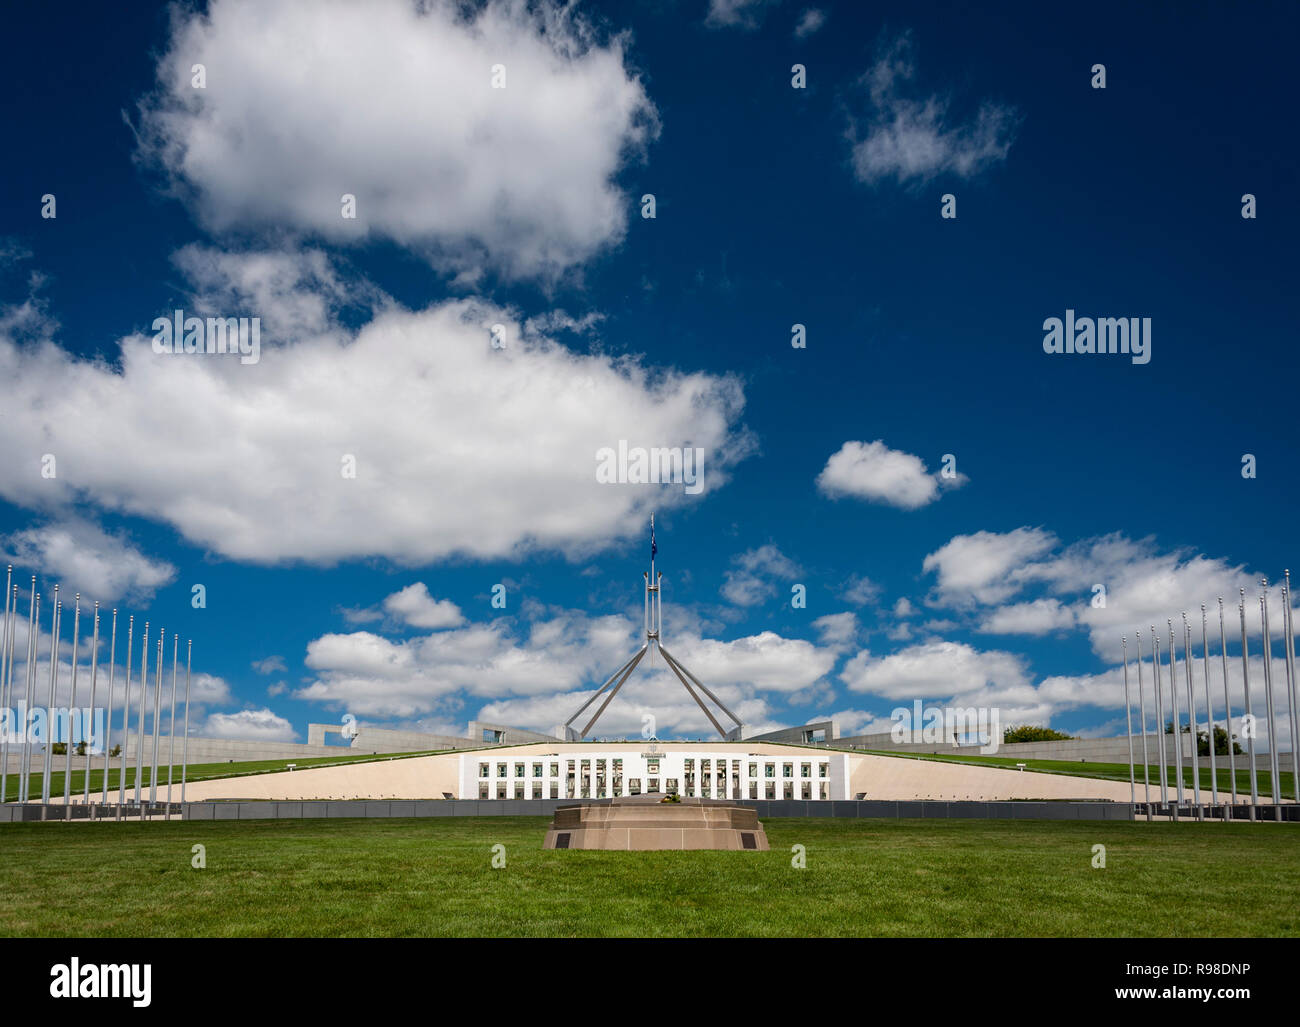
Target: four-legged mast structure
[{"x": 652, "y": 641}]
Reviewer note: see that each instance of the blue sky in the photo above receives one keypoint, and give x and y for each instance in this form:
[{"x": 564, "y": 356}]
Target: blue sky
[{"x": 775, "y": 206}]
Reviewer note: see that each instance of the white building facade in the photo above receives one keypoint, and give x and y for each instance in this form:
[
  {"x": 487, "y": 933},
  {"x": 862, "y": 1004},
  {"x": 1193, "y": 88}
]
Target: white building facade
[{"x": 591, "y": 772}]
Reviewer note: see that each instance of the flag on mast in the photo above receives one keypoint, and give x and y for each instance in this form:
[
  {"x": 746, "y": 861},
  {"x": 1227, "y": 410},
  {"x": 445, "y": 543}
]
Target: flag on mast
[{"x": 653, "y": 548}]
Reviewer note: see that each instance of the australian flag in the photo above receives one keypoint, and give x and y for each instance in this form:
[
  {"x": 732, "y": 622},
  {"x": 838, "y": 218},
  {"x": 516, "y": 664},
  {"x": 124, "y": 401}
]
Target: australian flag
[{"x": 653, "y": 548}]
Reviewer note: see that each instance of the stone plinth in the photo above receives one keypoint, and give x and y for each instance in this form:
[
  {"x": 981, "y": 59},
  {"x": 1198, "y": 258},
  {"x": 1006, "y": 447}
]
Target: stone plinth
[{"x": 644, "y": 823}]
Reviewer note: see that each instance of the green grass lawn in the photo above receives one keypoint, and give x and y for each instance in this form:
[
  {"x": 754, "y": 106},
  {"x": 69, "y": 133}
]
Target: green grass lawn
[
  {"x": 406, "y": 877},
  {"x": 1119, "y": 772},
  {"x": 195, "y": 772}
]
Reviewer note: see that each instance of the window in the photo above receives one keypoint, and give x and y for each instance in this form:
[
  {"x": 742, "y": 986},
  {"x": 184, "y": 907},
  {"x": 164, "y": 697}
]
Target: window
[
  {"x": 821, "y": 769},
  {"x": 771, "y": 790},
  {"x": 537, "y": 789},
  {"x": 787, "y": 770},
  {"x": 671, "y": 786},
  {"x": 652, "y": 766},
  {"x": 484, "y": 770},
  {"x": 789, "y": 789},
  {"x": 753, "y": 789},
  {"x": 519, "y": 789},
  {"x": 483, "y": 789},
  {"x": 634, "y": 785},
  {"x": 805, "y": 770},
  {"x": 807, "y": 789},
  {"x": 769, "y": 770},
  {"x": 654, "y": 784},
  {"x": 501, "y": 789},
  {"x": 555, "y": 771},
  {"x": 519, "y": 770},
  {"x": 823, "y": 791},
  {"x": 501, "y": 770},
  {"x": 537, "y": 770},
  {"x": 555, "y": 789},
  {"x": 753, "y": 770}
]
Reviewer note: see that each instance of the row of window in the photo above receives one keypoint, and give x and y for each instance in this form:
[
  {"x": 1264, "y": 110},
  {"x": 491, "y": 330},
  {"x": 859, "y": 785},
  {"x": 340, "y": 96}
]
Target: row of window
[
  {"x": 551, "y": 789},
  {"x": 652, "y": 766}
]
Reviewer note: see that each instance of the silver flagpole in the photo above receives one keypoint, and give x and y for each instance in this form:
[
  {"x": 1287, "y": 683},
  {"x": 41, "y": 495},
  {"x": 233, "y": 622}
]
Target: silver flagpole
[
  {"x": 1128, "y": 716},
  {"x": 94, "y": 680},
  {"x": 1293, "y": 706},
  {"x": 6, "y": 659},
  {"x": 1268, "y": 693},
  {"x": 12, "y": 645},
  {"x": 185, "y": 745},
  {"x": 55, "y": 608},
  {"x": 33, "y": 618},
  {"x": 144, "y": 687},
  {"x": 157, "y": 699},
  {"x": 1227, "y": 709},
  {"x": 126, "y": 718},
  {"x": 1142, "y": 706},
  {"x": 1191, "y": 717},
  {"x": 1209, "y": 709},
  {"x": 1160, "y": 718},
  {"x": 108, "y": 721},
  {"x": 1178, "y": 717},
  {"x": 72, "y": 710},
  {"x": 1250, "y": 710},
  {"x": 171, "y": 725}
]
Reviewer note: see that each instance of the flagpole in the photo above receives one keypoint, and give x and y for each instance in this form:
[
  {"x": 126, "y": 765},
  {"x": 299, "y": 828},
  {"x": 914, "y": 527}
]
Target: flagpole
[
  {"x": 1178, "y": 717},
  {"x": 94, "y": 677},
  {"x": 144, "y": 687},
  {"x": 1209, "y": 711},
  {"x": 29, "y": 671},
  {"x": 108, "y": 737},
  {"x": 157, "y": 700},
  {"x": 55, "y": 608},
  {"x": 126, "y": 717},
  {"x": 72, "y": 713},
  {"x": 1128, "y": 715},
  {"x": 1191, "y": 718},
  {"x": 171, "y": 725},
  {"x": 185, "y": 745},
  {"x": 1227, "y": 709},
  {"x": 6, "y": 659},
  {"x": 1160, "y": 718},
  {"x": 1142, "y": 705},
  {"x": 1268, "y": 693},
  {"x": 1250, "y": 710},
  {"x": 1288, "y": 632}
]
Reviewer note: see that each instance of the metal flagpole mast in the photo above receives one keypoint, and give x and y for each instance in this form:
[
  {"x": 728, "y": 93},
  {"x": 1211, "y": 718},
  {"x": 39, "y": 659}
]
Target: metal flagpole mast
[
  {"x": 1268, "y": 694},
  {"x": 6, "y": 658},
  {"x": 185, "y": 745},
  {"x": 1142, "y": 706},
  {"x": 1160, "y": 719},
  {"x": 1227, "y": 708},
  {"x": 13, "y": 649},
  {"x": 1128, "y": 715},
  {"x": 144, "y": 687},
  {"x": 108, "y": 736},
  {"x": 49, "y": 706},
  {"x": 72, "y": 711},
  {"x": 157, "y": 700},
  {"x": 1178, "y": 717},
  {"x": 33, "y": 618},
  {"x": 1292, "y": 702},
  {"x": 171, "y": 725},
  {"x": 1209, "y": 709},
  {"x": 1191, "y": 717},
  {"x": 1250, "y": 709},
  {"x": 94, "y": 680},
  {"x": 126, "y": 717}
]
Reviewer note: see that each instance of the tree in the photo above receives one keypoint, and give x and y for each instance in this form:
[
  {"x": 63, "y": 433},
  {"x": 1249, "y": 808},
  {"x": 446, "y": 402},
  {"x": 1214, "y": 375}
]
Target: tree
[
  {"x": 1033, "y": 733},
  {"x": 59, "y": 748},
  {"x": 116, "y": 751}
]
